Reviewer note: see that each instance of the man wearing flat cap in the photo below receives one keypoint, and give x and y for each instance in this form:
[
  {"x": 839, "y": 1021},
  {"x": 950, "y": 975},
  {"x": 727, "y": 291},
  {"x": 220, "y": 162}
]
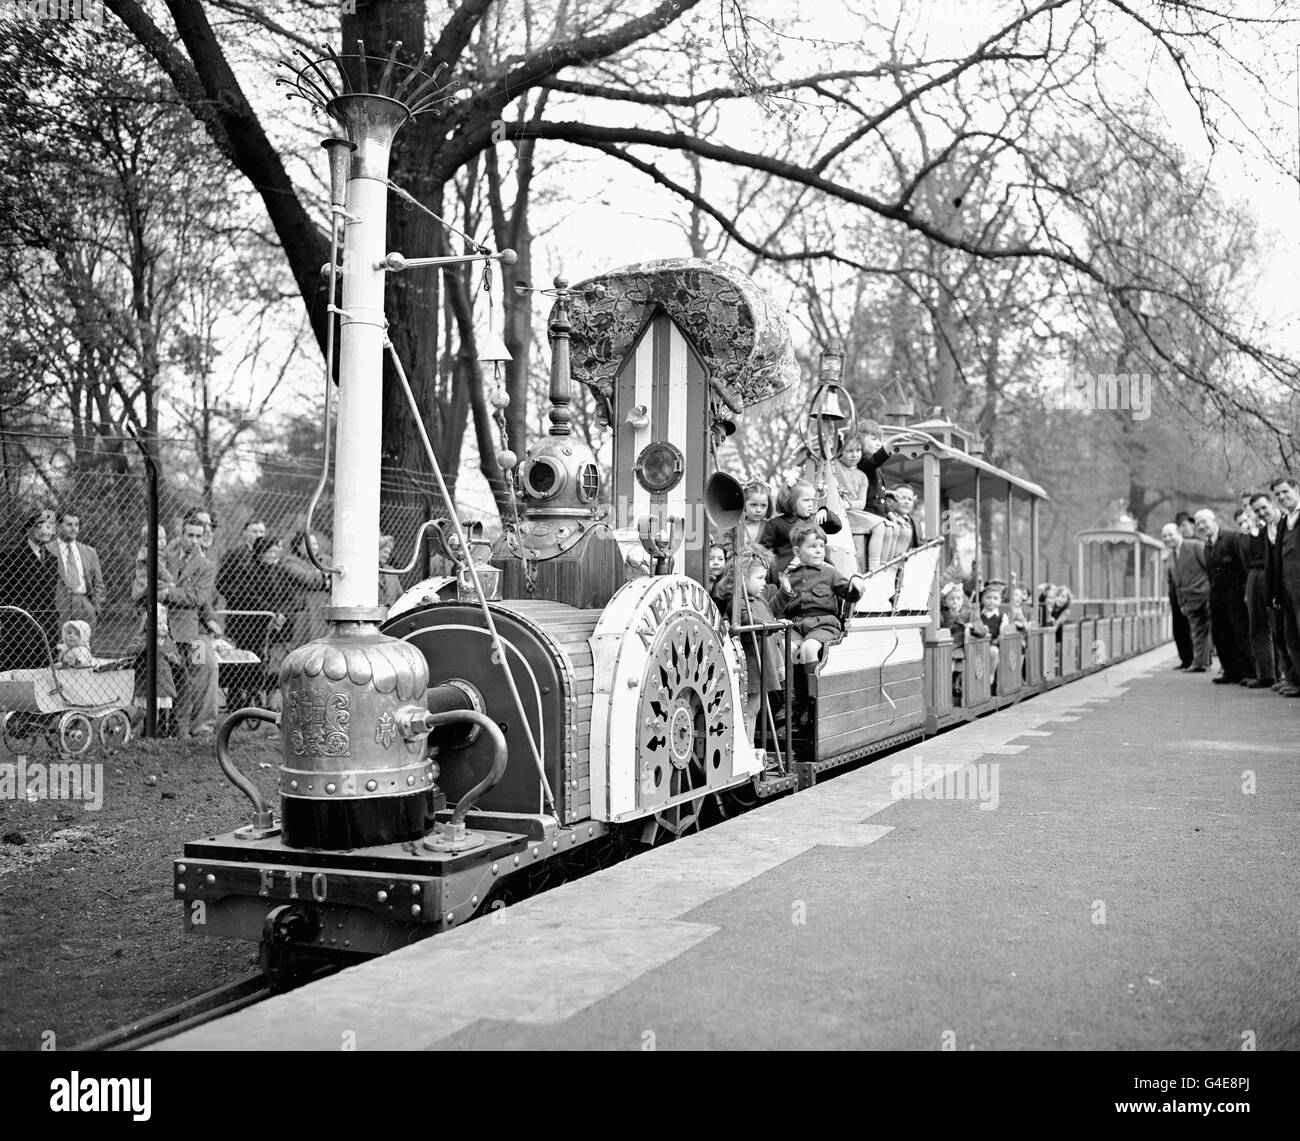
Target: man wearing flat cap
[{"x": 29, "y": 578}]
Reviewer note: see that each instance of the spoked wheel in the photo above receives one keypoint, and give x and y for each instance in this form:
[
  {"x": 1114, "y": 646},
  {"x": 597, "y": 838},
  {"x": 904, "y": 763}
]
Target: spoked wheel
[
  {"x": 21, "y": 731},
  {"x": 114, "y": 730},
  {"x": 75, "y": 733},
  {"x": 674, "y": 821}
]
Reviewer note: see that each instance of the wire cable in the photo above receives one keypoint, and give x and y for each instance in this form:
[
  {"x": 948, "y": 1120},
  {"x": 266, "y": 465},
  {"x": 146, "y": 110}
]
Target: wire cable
[{"x": 498, "y": 648}]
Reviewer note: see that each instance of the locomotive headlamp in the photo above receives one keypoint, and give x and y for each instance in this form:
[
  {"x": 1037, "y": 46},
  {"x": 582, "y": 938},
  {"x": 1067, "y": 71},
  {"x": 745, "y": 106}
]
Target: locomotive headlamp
[{"x": 659, "y": 467}]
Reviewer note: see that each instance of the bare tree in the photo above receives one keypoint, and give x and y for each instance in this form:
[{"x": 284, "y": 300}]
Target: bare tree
[{"x": 1037, "y": 65}]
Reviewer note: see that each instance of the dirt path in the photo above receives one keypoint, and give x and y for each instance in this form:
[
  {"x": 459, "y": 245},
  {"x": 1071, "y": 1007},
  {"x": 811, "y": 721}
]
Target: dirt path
[{"x": 90, "y": 936}]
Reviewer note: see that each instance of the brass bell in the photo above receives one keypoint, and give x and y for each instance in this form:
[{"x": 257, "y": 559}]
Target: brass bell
[{"x": 827, "y": 404}]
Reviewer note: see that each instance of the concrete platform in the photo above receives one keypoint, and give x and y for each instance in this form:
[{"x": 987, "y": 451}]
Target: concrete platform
[{"x": 1109, "y": 865}]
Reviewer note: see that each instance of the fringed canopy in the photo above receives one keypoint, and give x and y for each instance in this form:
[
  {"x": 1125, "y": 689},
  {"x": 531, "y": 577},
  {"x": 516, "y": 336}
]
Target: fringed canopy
[{"x": 740, "y": 335}]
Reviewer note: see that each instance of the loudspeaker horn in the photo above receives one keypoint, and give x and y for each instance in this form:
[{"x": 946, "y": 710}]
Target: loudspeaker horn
[{"x": 724, "y": 500}]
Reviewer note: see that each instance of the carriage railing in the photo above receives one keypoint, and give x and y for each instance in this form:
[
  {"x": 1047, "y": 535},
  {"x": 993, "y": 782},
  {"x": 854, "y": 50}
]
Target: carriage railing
[
  {"x": 1120, "y": 607},
  {"x": 768, "y": 735}
]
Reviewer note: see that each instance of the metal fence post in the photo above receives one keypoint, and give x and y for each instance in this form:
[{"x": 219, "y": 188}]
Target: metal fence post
[{"x": 151, "y": 594}]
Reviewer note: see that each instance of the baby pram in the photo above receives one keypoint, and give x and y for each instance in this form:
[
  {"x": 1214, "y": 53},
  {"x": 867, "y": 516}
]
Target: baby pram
[
  {"x": 67, "y": 708},
  {"x": 249, "y": 677}
]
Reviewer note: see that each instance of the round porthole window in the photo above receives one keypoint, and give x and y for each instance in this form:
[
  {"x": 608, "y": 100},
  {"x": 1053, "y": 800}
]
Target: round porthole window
[
  {"x": 659, "y": 467},
  {"x": 588, "y": 482},
  {"x": 543, "y": 478}
]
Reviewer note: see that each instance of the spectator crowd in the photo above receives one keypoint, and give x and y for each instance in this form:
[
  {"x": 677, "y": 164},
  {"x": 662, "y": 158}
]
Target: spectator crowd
[
  {"x": 265, "y": 596},
  {"x": 1236, "y": 594}
]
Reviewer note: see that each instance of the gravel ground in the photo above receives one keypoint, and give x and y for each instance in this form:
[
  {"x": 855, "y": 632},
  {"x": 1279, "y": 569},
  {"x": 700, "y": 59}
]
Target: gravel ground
[{"x": 90, "y": 936}]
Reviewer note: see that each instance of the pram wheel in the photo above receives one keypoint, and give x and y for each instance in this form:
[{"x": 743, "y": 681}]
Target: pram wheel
[
  {"x": 21, "y": 731},
  {"x": 75, "y": 733},
  {"x": 114, "y": 730}
]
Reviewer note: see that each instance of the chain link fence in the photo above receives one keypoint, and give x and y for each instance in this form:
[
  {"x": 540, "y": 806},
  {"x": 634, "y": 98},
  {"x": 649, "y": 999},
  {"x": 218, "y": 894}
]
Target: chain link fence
[{"x": 74, "y": 583}]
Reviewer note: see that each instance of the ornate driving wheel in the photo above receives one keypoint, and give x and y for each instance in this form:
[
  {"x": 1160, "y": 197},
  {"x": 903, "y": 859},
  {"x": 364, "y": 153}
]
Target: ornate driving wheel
[{"x": 686, "y": 719}]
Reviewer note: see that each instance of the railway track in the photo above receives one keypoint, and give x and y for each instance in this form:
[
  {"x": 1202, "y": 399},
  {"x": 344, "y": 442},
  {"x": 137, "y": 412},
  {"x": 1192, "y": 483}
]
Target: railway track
[{"x": 186, "y": 1015}]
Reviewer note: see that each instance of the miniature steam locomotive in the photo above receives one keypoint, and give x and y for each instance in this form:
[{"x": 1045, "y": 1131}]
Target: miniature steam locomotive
[{"x": 578, "y": 688}]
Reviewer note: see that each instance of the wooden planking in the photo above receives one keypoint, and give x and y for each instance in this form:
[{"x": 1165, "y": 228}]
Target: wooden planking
[
  {"x": 865, "y": 717},
  {"x": 877, "y": 717},
  {"x": 1010, "y": 657},
  {"x": 938, "y": 673},
  {"x": 571, "y": 630},
  {"x": 846, "y": 701},
  {"x": 586, "y": 575},
  {"x": 879, "y": 730},
  {"x": 861, "y": 679}
]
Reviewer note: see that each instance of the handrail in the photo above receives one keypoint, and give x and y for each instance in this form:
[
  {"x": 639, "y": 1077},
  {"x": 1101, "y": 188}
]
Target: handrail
[{"x": 261, "y": 814}]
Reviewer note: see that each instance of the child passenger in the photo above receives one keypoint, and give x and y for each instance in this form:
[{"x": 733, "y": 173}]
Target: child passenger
[
  {"x": 1060, "y": 612},
  {"x": 811, "y": 590},
  {"x": 757, "y": 607},
  {"x": 957, "y": 619},
  {"x": 880, "y": 537},
  {"x": 717, "y": 562},
  {"x": 797, "y": 505},
  {"x": 758, "y": 510},
  {"x": 991, "y": 618}
]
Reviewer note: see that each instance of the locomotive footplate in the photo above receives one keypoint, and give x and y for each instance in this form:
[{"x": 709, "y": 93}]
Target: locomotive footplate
[
  {"x": 364, "y": 902},
  {"x": 771, "y": 784},
  {"x": 367, "y": 902}
]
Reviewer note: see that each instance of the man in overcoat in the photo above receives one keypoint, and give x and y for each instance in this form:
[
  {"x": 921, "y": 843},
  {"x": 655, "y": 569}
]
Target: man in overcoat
[
  {"x": 193, "y": 623},
  {"x": 1225, "y": 564},
  {"x": 1285, "y": 570},
  {"x": 29, "y": 579}
]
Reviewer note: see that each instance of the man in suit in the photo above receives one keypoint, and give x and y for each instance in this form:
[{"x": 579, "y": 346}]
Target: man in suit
[
  {"x": 29, "y": 579},
  {"x": 1182, "y": 630},
  {"x": 1189, "y": 594},
  {"x": 1285, "y": 571},
  {"x": 1254, "y": 541},
  {"x": 193, "y": 623},
  {"x": 1268, "y": 518},
  {"x": 81, "y": 582},
  {"x": 1225, "y": 564}
]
